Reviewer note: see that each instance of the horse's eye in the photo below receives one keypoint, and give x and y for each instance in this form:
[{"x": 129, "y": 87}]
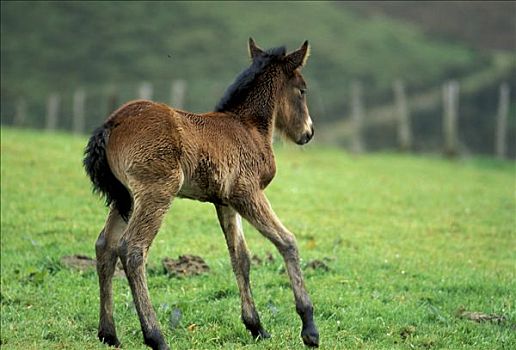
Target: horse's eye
[{"x": 302, "y": 92}]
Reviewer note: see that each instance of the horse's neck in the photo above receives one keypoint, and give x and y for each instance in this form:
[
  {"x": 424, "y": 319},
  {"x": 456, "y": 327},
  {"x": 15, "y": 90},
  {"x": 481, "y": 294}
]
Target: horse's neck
[{"x": 258, "y": 110}]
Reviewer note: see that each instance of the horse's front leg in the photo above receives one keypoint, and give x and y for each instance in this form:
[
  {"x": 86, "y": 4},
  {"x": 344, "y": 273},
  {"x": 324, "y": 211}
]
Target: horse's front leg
[
  {"x": 231, "y": 224},
  {"x": 257, "y": 210}
]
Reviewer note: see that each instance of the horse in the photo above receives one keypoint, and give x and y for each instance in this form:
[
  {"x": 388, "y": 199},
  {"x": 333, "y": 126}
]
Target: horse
[{"x": 147, "y": 153}]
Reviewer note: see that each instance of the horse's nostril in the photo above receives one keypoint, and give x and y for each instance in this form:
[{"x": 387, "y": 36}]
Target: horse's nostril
[
  {"x": 310, "y": 134},
  {"x": 306, "y": 137}
]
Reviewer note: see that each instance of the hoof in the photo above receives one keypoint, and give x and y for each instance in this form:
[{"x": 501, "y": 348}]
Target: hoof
[
  {"x": 310, "y": 337},
  {"x": 156, "y": 345},
  {"x": 261, "y": 334},
  {"x": 109, "y": 339},
  {"x": 256, "y": 329},
  {"x": 154, "y": 339}
]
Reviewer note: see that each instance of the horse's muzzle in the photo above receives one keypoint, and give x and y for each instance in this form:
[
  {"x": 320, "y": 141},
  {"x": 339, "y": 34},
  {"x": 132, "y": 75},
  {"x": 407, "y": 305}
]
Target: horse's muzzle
[{"x": 306, "y": 137}]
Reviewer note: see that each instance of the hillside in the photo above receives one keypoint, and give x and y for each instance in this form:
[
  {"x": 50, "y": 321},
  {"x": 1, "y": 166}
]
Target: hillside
[
  {"x": 57, "y": 46},
  {"x": 484, "y": 25}
]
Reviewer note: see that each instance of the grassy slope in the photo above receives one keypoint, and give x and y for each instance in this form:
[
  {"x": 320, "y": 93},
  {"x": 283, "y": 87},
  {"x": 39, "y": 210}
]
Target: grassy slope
[
  {"x": 137, "y": 48},
  {"x": 411, "y": 240},
  {"x": 161, "y": 41}
]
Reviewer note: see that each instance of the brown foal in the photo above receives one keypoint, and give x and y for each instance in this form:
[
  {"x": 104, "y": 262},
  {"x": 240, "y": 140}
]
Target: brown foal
[{"x": 147, "y": 153}]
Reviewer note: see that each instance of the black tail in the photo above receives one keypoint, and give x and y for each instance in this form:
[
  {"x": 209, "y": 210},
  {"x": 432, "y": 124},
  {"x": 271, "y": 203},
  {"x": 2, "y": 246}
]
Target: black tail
[{"x": 104, "y": 182}]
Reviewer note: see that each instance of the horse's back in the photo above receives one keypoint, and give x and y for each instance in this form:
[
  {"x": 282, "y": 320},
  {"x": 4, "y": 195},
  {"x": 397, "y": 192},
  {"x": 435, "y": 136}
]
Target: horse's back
[
  {"x": 212, "y": 152},
  {"x": 141, "y": 117},
  {"x": 144, "y": 136}
]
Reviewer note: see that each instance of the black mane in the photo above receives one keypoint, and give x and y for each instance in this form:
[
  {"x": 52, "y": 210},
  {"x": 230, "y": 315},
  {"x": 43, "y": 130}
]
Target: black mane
[{"x": 238, "y": 91}]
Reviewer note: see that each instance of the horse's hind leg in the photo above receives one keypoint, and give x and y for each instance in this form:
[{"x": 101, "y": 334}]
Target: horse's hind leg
[
  {"x": 151, "y": 202},
  {"x": 231, "y": 224},
  {"x": 256, "y": 209},
  {"x": 106, "y": 250}
]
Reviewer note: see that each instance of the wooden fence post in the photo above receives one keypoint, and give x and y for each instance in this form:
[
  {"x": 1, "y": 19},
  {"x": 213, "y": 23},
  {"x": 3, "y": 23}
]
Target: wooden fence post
[
  {"x": 52, "y": 111},
  {"x": 501, "y": 121},
  {"x": 450, "y": 116},
  {"x": 20, "y": 114},
  {"x": 404, "y": 129},
  {"x": 112, "y": 99},
  {"x": 79, "y": 99},
  {"x": 357, "y": 116},
  {"x": 145, "y": 91},
  {"x": 177, "y": 94}
]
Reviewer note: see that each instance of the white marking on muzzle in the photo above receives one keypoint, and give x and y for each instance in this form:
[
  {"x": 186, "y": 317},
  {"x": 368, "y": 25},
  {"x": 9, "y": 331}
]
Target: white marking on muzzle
[{"x": 308, "y": 125}]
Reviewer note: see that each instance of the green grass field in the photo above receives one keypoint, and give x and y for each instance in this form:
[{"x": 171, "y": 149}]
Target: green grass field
[{"x": 412, "y": 242}]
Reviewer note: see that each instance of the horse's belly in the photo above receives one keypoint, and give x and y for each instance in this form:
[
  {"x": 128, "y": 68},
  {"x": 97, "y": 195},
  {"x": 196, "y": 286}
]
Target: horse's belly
[{"x": 200, "y": 193}]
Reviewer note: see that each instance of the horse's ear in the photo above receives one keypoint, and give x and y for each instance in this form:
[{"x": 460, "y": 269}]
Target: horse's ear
[
  {"x": 254, "y": 51},
  {"x": 298, "y": 58}
]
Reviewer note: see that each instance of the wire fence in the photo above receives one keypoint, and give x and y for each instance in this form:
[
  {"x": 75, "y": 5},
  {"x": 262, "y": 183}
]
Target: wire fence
[{"x": 446, "y": 118}]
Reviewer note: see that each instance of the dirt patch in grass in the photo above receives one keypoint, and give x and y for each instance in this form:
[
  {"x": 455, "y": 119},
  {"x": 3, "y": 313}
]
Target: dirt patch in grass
[
  {"x": 84, "y": 263},
  {"x": 407, "y": 332},
  {"x": 481, "y": 317},
  {"x": 317, "y": 265},
  {"x": 186, "y": 265},
  {"x": 79, "y": 262},
  {"x": 268, "y": 259}
]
